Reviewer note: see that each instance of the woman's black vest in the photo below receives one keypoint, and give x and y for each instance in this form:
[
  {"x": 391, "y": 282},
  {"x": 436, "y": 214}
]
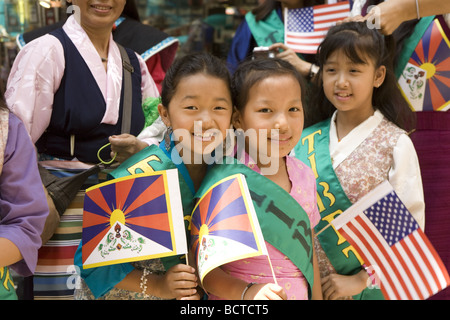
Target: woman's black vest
[{"x": 79, "y": 107}]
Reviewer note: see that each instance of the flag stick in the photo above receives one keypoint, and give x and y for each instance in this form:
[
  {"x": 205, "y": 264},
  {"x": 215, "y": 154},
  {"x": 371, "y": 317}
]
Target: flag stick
[
  {"x": 271, "y": 268},
  {"x": 323, "y": 229}
]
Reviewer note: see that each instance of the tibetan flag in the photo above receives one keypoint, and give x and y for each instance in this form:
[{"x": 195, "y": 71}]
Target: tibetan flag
[
  {"x": 305, "y": 28},
  {"x": 137, "y": 217},
  {"x": 224, "y": 226},
  {"x": 391, "y": 242},
  {"x": 425, "y": 81}
]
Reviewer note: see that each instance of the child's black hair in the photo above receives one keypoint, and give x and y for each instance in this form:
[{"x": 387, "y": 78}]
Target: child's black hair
[
  {"x": 189, "y": 65},
  {"x": 250, "y": 72},
  {"x": 359, "y": 43}
]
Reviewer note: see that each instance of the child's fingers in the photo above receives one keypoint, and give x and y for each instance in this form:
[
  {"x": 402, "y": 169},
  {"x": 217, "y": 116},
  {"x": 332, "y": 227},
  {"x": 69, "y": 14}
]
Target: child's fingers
[
  {"x": 276, "y": 292},
  {"x": 194, "y": 296},
  {"x": 121, "y": 141},
  {"x": 273, "y": 296},
  {"x": 270, "y": 291},
  {"x": 182, "y": 268},
  {"x": 186, "y": 293},
  {"x": 184, "y": 276},
  {"x": 185, "y": 283}
]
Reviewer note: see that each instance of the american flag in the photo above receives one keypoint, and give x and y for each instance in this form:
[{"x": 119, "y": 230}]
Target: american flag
[
  {"x": 388, "y": 238},
  {"x": 305, "y": 28}
]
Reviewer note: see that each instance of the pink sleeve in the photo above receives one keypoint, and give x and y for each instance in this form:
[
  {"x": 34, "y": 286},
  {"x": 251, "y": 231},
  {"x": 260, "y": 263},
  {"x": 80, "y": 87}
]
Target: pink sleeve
[
  {"x": 149, "y": 88},
  {"x": 313, "y": 213},
  {"x": 34, "y": 78}
]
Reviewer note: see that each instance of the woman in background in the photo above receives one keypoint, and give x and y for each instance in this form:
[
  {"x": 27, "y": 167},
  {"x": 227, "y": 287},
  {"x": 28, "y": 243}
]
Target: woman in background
[{"x": 67, "y": 88}]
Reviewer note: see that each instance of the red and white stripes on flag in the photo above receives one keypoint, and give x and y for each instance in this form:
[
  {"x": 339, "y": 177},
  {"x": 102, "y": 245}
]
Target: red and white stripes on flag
[
  {"x": 388, "y": 238},
  {"x": 305, "y": 28}
]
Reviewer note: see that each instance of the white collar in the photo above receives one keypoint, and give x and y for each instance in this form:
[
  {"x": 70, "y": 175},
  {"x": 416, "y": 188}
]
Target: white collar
[
  {"x": 340, "y": 150},
  {"x": 110, "y": 82}
]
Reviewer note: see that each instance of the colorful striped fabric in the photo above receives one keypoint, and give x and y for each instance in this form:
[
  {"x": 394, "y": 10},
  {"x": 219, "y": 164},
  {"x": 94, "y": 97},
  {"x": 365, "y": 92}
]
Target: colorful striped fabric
[{"x": 55, "y": 274}]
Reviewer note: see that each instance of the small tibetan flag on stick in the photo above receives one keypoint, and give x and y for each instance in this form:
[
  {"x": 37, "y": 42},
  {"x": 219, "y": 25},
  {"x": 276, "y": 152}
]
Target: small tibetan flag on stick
[
  {"x": 224, "y": 226},
  {"x": 137, "y": 217}
]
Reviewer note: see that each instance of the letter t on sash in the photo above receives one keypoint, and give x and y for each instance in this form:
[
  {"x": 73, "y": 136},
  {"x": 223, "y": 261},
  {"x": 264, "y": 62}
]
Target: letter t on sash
[{"x": 143, "y": 165}]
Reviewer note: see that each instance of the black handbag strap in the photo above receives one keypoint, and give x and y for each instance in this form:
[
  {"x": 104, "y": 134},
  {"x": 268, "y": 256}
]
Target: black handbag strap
[
  {"x": 63, "y": 190},
  {"x": 127, "y": 95}
]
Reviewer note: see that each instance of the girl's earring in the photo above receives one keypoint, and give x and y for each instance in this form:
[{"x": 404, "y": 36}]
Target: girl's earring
[{"x": 167, "y": 138}]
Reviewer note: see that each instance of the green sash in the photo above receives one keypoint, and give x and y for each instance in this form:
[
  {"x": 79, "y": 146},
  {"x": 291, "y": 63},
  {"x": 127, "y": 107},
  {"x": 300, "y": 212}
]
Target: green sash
[
  {"x": 153, "y": 159},
  {"x": 284, "y": 223},
  {"x": 7, "y": 291},
  {"x": 268, "y": 31},
  {"x": 313, "y": 149},
  {"x": 410, "y": 44}
]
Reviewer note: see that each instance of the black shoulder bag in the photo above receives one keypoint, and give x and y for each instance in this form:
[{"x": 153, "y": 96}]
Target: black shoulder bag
[{"x": 63, "y": 190}]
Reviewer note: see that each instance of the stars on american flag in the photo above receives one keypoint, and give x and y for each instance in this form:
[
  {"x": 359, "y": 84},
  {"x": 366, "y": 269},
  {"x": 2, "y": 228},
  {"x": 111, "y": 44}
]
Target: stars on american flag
[
  {"x": 302, "y": 20},
  {"x": 391, "y": 218}
]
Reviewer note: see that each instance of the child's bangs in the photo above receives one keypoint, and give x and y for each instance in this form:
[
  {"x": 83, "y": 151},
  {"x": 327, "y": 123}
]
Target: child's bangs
[{"x": 356, "y": 47}]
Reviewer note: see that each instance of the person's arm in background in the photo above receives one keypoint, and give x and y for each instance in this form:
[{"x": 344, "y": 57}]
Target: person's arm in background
[
  {"x": 406, "y": 178},
  {"x": 393, "y": 13},
  {"x": 34, "y": 78},
  {"x": 289, "y": 55},
  {"x": 23, "y": 206}
]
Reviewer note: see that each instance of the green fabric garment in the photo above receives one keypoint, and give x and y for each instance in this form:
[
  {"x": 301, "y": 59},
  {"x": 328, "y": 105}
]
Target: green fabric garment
[
  {"x": 7, "y": 290},
  {"x": 284, "y": 223},
  {"x": 268, "y": 31},
  {"x": 150, "y": 108},
  {"x": 313, "y": 149}
]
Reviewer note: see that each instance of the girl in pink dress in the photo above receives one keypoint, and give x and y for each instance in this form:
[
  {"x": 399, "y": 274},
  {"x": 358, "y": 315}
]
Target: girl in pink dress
[{"x": 270, "y": 97}]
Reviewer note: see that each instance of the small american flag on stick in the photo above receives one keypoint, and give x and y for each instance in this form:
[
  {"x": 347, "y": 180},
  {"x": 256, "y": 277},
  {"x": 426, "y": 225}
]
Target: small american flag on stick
[
  {"x": 386, "y": 236},
  {"x": 305, "y": 28}
]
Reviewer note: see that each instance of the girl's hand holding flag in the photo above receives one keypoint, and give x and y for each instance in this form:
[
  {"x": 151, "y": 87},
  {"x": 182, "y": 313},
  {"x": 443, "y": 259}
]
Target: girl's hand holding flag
[
  {"x": 180, "y": 282},
  {"x": 265, "y": 291}
]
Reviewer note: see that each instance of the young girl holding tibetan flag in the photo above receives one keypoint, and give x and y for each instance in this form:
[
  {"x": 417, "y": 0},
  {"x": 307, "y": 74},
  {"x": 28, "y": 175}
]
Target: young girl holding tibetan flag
[
  {"x": 196, "y": 90},
  {"x": 269, "y": 100},
  {"x": 356, "y": 140}
]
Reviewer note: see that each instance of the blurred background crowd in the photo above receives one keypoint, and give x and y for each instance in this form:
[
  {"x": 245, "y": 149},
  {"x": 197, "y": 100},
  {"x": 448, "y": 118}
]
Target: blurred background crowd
[{"x": 198, "y": 25}]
